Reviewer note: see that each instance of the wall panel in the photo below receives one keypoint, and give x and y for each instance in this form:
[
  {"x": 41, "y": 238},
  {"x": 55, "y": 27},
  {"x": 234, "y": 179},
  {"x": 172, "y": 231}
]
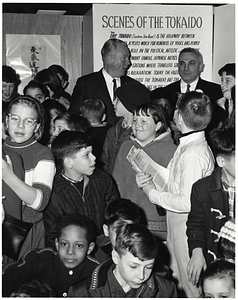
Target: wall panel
[{"x": 68, "y": 27}]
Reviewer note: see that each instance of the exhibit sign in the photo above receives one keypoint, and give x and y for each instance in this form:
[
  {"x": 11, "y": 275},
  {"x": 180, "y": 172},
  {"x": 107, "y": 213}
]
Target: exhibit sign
[
  {"x": 28, "y": 54},
  {"x": 155, "y": 34}
]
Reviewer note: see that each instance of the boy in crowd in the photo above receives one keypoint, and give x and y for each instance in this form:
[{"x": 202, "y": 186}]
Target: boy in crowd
[
  {"x": 130, "y": 274},
  {"x": 117, "y": 212},
  {"x": 94, "y": 111},
  {"x": 192, "y": 160},
  {"x": 212, "y": 204},
  {"x": 75, "y": 240},
  {"x": 78, "y": 187}
]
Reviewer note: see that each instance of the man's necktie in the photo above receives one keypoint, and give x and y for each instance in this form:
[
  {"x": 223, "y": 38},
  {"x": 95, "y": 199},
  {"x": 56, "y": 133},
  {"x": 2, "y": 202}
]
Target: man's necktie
[
  {"x": 114, "y": 88},
  {"x": 188, "y": 88}
]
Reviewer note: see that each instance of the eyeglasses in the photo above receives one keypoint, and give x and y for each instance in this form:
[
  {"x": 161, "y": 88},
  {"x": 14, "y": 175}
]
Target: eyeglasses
[{"x": 28, "y": 122}]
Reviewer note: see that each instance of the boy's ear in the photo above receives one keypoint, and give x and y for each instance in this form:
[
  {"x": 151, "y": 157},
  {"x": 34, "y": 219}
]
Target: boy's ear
[
  {"x": 103, "y": 117},
  {"x": 158, "y": 126},
  {"x": 115, "y": 256},
  {"x": 57, "y": 244},
  {"x": 105, "y": 229},
  {"x": 68, "y": 162},
  {"x": 220, "y": 161},
  {"x": 90, "y": 247}
]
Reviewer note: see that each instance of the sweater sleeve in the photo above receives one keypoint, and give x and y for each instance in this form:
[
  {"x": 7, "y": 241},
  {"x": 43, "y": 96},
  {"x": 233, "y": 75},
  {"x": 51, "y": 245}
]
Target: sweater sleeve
[
  {"x": 41, "y": 180},
  {"x": 196, "y": 222}
]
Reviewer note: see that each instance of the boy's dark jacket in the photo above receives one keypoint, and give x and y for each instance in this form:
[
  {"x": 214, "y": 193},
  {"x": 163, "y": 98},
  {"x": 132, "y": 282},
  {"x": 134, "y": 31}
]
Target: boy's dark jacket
[
  {"x": 103, "y": 284},
  {"x": 209, "y": 212},
  {"x": 44, "y": 266},
  {"x": 99, "y": 190}
]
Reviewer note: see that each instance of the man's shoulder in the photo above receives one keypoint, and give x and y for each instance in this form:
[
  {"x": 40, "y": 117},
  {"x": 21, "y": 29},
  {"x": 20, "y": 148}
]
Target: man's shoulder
[
  {"x": 126, "y": 79},
  {"x": 90, "y": 76},
  {"x": 208, "y": 83}
]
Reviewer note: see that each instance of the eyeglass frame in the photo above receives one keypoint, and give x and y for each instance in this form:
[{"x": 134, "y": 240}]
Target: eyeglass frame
[{"x": 19, "y": 120}]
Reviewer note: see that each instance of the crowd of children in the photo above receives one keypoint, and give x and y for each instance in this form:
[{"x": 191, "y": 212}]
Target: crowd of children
[{"x": 103, "y": 224}]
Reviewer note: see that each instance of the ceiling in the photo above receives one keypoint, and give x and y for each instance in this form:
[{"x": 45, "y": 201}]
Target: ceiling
[
  {"x": 31, "y": 8},
  {"x": 70, "y": 8}
]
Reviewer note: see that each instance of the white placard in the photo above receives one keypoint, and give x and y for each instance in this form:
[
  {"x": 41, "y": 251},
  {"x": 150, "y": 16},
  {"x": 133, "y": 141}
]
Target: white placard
[{"x": 155, "y": 35}]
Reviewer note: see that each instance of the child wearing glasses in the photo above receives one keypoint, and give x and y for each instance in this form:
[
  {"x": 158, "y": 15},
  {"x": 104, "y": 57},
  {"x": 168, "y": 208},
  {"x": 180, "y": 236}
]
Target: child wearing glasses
[{"x": 24, "y": 123}]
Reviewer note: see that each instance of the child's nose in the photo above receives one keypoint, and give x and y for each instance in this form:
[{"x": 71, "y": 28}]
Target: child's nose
[
  {"x": 20, "y": 123},
  {"x": 70, "y": 250},
  {"x": 141, "y": 273}
]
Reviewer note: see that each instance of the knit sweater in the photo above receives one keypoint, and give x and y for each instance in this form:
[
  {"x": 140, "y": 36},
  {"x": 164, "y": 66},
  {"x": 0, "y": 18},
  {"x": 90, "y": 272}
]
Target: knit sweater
[
  {"x": 161, "y": 150},
  {"x": 39, "y": 167}
]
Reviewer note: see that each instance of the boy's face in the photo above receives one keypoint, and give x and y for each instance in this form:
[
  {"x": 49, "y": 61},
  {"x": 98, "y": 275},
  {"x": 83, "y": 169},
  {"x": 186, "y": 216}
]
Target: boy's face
[
  {"x": 130, "y": 271},
  {"x": 73, "y": 246},
  {"x": 218, "y": 288},
  {"x": 7, "y": 90},
  {"x": 111, "y": 230},
  {"x": 59, "y": 125},
  {"x": 227, "y": 83},
  {"x": 144, "y": 128},
  {"x": 119, "y": 108},
  {"x": 36, "y": 93},
  {"x": 83, "y": 162}
]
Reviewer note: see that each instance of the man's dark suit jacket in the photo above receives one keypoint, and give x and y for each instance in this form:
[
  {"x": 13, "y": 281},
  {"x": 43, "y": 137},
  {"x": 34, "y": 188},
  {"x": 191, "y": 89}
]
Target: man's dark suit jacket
[
  {"x": 94, "y": 86},
  {"x": 211, "y": 89}
]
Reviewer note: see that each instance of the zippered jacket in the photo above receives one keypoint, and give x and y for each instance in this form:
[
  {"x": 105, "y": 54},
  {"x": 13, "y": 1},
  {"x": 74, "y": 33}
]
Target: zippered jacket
[{"x": 99, "y": 189}]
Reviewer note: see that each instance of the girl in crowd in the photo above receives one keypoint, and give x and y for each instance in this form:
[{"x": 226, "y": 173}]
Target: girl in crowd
[
  {"x": 25, "y": 122},
  {"x": 52, "y": 82},
  {"x": 52, "y": 109},
  {"x": 36, "y": 90},
  {"x": 151, "y": 133}
]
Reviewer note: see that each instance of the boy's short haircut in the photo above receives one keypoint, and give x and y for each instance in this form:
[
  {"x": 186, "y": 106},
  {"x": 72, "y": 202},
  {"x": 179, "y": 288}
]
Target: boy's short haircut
[
  {"x": 121, "y": 210},
  {"x": 223, "y": 141},
  {"x": 93, "y": 110},
  {"x": 156, "y": 112},
  {"x": 77, "y": 220},
  {"x": 220, "y": 269},
  {"x": 33, "y": 84},
  {"x": 33, "y": 289},
  {"x": 67, "y": 144},
  {"x": 196, "y": 110},
  {"x": 136, "y": 239},
  {"x": 74, "y": 121}
]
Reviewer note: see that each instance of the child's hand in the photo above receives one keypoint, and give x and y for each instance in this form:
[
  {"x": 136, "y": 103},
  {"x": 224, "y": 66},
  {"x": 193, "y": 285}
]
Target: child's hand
[
  {"x": 6, "y": 167},
  {"x": 144, "y": 181},
  {"x": 195, "y": 266}
]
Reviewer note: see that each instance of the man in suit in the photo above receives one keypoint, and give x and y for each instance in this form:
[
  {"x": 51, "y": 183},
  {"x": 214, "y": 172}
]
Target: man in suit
[
  {"x": 100, "y": 85},
  {"x": 190, "y": 67}
]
